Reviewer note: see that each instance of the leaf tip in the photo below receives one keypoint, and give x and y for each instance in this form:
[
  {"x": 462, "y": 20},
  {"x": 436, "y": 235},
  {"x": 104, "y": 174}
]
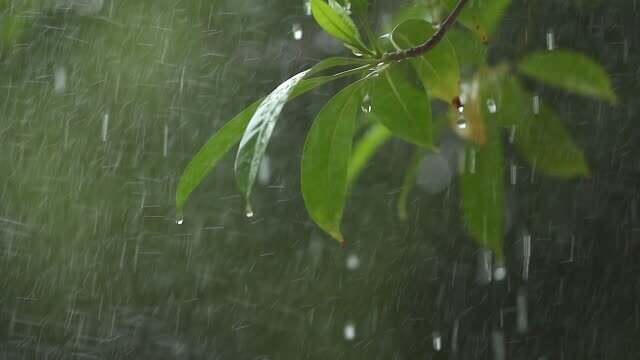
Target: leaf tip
[{"x": 336, "y": 234}]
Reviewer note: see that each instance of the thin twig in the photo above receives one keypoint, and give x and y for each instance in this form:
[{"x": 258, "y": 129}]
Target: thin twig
[{"x": 433, "y": 41}]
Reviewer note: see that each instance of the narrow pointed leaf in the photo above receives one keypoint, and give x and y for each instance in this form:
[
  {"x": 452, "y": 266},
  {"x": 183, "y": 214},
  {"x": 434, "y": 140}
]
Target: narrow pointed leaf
[
  {"x": 325, "y": 160},
  {"x": 438, "y": 69},
  {"x": 402, "y": 107},
  {"x": 482, "y": 190},
  {"x": 359, "y": 7},
  {"x": 229, "y": 135},
  {"x": 334, "y": 19},
  {"x": 569, "y": 71},
  {"x": 364, "y": 150}
]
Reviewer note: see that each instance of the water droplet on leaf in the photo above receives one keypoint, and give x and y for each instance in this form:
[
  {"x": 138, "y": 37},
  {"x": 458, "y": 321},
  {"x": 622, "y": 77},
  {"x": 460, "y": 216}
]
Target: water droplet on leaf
[
  {"x": 461, "y": 123},
  {"x": 365, "y": 106}
]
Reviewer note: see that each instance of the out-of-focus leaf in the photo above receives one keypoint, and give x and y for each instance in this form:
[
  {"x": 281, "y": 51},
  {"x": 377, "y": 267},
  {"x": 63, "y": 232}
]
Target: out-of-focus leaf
[
  {"x": 335, "y": 20},
  {"x": 409, "y": 181},
  {"x": 569, "y": 71},
  {"x": 402, "y": 107},
  {"x": 482, "y": 189},
  {"x": 229, "y": 135},
  {"x": 540, "y": 138},
  {"x": 481, "y": 16},
  {"x": 438, "y": 69},
  {"x": 325, "y": 160},
  {"x": 364, "y": 149}
]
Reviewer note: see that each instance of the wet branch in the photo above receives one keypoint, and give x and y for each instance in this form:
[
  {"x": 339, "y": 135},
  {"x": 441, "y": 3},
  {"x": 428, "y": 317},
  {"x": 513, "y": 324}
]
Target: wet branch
[{"x": 432, "y": 42}]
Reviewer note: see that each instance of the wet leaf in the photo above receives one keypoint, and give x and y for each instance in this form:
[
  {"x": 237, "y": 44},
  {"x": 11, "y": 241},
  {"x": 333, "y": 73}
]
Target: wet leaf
[
  {"x": 482, "y": 190},
  {"x": 402, "y": 107},
  {"x": 482, "y": 17},
  {"x": 364, "y": 150},
  {"x": 325, "y": 160},
  {"x": 360, "y": 7},
  {"x": 438, "y": 69},
  {"x": 569, "y": 71},
  {"x": 335, "y": 20},
  {"x": 470, "y": 51},
  {"x": 229, "y": 135}
]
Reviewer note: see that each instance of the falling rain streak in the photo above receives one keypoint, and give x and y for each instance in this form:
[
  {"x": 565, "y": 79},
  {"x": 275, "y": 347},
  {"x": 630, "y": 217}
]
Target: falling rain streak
[{"x": 105, "y": 126}]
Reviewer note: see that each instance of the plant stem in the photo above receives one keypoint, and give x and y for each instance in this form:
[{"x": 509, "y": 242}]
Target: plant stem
[{"x": 432, "y": 42}]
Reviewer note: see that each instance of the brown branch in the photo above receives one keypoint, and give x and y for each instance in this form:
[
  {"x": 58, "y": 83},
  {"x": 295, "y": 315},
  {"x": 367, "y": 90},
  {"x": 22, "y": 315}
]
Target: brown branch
[{"x": 433, "y": 41}]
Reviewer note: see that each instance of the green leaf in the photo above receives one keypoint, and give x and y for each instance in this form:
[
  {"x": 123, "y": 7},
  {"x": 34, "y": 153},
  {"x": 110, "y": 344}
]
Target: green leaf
[
  {"x": 229, "y": 135},
  {"x": 540, "y": 138},
  {"x": 482, "y": 189},
  {"x": 569, "y": 71},
  {"x": 325, "y": 160},
  {"x": 402, "y": 107},
  {"x": 438, "y": 69},
  {"x": 409, "y": 181},
  {"x": 482, "y": 16},
  {"x": 470, "y": 51},
  {"x": 364, "y": 149},
  {"x": 335, "y": 20}
]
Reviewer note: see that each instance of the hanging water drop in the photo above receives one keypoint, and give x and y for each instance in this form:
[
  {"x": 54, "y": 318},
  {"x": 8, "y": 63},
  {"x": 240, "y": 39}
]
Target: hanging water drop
[
  {"x": 365, "y": 106},
  {"x": 551, "y": 41},
  {"x": 249, "y": 211},
  {"x": 436, "y": 341},
  {"x": 536, "y": 104},
  {"x": 461, "y": 109},
  {"x": 349, "y": 331},
  {"x": 180, "y": 221},
  {"x": 297, "y": 31},
  {"x": 491, "y": 106},
  {"x": 461, "y": 123}
]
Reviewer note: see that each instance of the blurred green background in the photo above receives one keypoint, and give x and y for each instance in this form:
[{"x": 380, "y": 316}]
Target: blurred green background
[{"x": 102, "y": 105}]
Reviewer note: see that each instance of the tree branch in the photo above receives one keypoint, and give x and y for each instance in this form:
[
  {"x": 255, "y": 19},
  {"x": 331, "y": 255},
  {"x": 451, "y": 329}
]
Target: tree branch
[{"x": 432, "y": 42}]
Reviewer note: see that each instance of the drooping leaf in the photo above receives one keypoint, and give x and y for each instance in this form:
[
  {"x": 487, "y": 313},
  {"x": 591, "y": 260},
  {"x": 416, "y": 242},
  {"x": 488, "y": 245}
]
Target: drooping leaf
[
  {"x": 438, "y": 69},
  {"x": 481, "y": 16},
  {"x": 335, "y": 20},
  {"x": 470, "y": 51},
  {"x": 409, "y": 181},
  {"x": 325, "y": 160},
  {"x": 402, "y": 107},
  {"x": 540, "y": 137},
  {"x": 569, "y": 71},
  {"x": 228, "y": 136},
  {"x": 482, "y": 190},
  {"x": 364, "y": 149},
  {"x": 260, "y": 128}
]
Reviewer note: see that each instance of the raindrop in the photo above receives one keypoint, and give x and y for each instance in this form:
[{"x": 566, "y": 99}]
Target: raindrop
[
  {"x": 526, "y": 254},
  {"x": 472, "y": 161},
  {"x": 249, "y": 211},
  {"x": 165, "y": 143},
  {"x": 512, "y": 134},
  {"x": 307, "y": 7},
  {"x": 365, "y": 106},
  {"x": 297, "y": 31},
  {"x": 485, "y": 258},
  {"x": 454, "y": 336},
  {"x": 436, "y": 340},
  {"x": 105, "y": 126},
  {"x": 353, "y": 262},
  {"x": 356, "y": 53},
  {"x": 60, "y": 80},
  {"x": 497, "y": 344},
  {"x": 461, "y": 123},
  {"x": 521, "y": 311},
  {"x": 499, "y": 273},
  {"x": 514, "y": 174},
  {"x": 551, "y": 41},
  {"x": 491, "y": 106},
  {"x": 536, "y": 104},
  {"x": 180, "y": 221},
  {"x": 349, "y": 331},
  {"x": 461, "y": 109}
]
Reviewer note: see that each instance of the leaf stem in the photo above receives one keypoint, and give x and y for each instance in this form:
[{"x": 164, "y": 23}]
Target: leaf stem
[{"x": 432, "y": 42}]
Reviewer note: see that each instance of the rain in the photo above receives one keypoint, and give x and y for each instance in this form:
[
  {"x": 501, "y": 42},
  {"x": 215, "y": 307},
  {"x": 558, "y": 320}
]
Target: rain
[{"x": 103, "y": 104}]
